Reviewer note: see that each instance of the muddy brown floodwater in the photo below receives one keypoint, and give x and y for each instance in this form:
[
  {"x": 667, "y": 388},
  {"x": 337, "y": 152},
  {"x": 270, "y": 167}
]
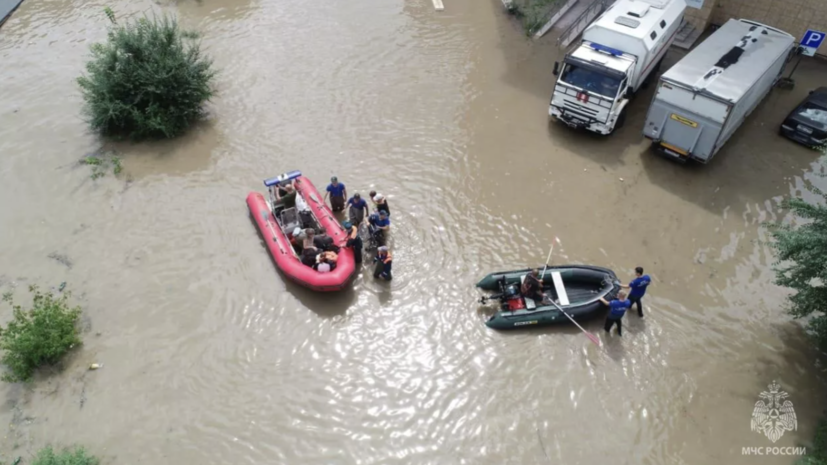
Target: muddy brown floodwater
[{"x": 211, "y": 357}]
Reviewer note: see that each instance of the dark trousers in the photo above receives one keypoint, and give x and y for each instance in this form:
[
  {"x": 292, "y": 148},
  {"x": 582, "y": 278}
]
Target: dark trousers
[
  {"x": 636, "y": 300},
  {"x": 610, "y": 322},
  {"x": 383, "y": 270}
]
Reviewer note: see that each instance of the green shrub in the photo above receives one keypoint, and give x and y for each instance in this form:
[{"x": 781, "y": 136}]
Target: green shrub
[
  {"x": 76, "y": 456},
  {"x": 38, "y": 336},
  {"x": 801, "y": 265},
  {"x": 101, "y": 163},
  {"x": 149, "y": 80}
]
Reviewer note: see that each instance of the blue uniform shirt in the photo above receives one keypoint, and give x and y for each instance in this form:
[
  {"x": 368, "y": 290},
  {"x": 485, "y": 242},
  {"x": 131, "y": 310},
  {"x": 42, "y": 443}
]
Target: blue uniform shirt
[
  {"x": 618, "y": 308},
  {"x": 357, "y": 204},
  {"x": 336, "y": 191},
  {"x": 639, "y": 286},
  {"x": 383, "y": 222}
]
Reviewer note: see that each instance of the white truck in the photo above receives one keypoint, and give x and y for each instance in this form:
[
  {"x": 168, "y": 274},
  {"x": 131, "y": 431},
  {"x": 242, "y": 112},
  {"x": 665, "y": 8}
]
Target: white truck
[
  {"x": 617, "y": 53},
  {"x": 705, "y": 97}
]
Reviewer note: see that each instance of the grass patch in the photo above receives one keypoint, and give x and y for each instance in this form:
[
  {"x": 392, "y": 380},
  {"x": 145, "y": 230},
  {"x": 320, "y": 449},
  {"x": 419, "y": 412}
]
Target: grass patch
[
  {"x": 38, "y": 336},
  {"x": 102, "y": 164},
  {"x": 533, "y": 13},
  {"x": 73, "y": 456},
  {"x": 149, "y": 80}
]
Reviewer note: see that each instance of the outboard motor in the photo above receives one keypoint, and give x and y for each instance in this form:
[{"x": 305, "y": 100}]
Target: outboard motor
[
  {"x": 511, "y": 291},
  {"x": 512, "y": 300}
]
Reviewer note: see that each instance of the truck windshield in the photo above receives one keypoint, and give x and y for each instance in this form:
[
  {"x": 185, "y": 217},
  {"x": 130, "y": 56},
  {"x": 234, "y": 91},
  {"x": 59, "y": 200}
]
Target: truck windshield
[{"x": 591, "y": 81}]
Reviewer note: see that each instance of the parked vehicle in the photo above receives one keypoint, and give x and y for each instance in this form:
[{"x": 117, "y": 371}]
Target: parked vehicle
[
  {"x": 807, "y": 124},
  {"x": 618, "y": 52},
  {"x": 706, "y": 96}
]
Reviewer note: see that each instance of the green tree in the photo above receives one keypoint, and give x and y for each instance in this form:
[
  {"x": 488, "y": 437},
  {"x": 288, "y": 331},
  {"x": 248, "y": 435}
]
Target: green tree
[
  {"x": 148, "y": 80},
  {"x": 802, "y": 262},
  {"x": 817, "y": 452},
  {"x": 38, "y": 336}
]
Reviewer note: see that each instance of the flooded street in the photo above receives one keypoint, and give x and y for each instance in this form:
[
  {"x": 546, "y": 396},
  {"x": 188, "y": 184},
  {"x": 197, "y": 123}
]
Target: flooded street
[{"x": 210, "y": 356}]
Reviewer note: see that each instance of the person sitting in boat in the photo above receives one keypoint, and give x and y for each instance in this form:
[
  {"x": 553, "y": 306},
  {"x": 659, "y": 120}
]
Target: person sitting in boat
[
  {"x": 309, "y": 236},
  {"x": 331, "y": 258},
  {"x": 288, "y": 199},
  {"x": 297, "y": 238},
  {"x": 384, "y": 262},
  {"x": 308, "y": 256},
  {"x": 354, "y": 241},
  {"x": 323, "y": 266},
  {"x": 533, "y": 287},
  {"x": 282, "y": 187},
  {"x": 358, "y": 209},
  {"x": 323, "y": 242}
]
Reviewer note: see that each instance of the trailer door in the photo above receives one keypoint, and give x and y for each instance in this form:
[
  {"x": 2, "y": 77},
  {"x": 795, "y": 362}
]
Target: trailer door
[
  {"x": 680, "y": 133},
  {"x": 688, "y": 123}
]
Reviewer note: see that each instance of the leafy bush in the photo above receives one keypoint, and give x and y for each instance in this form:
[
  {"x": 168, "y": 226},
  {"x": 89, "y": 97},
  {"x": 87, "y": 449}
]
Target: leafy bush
[
  {"x": 38, "y": 336},
  {"x": 804, "y": 250},
  {"x": 146, "y": 81},
  {"x": 76, "y": 456}
]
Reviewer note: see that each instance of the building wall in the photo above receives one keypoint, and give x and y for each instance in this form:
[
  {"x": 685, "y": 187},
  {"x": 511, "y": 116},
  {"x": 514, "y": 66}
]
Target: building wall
[{"x": 792, "y": 16}]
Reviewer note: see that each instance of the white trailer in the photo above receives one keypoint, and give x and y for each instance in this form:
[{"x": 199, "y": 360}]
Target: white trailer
[
  {"x": 706, "y": 96},
  {"x": 618, "y": 52}
]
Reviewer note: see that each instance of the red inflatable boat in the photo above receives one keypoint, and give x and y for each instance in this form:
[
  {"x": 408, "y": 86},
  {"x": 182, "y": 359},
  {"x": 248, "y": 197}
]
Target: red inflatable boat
[{"x": 309, "y": 212}]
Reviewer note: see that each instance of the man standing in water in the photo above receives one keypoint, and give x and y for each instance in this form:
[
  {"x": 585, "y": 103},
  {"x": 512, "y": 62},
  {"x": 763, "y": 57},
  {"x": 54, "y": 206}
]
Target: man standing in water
[
  {"x": 337, "y": 193},
  {"x": 617, "y": 310},
  {"x": 638, "y": 289},
  {"x": 358, "y": 210}
]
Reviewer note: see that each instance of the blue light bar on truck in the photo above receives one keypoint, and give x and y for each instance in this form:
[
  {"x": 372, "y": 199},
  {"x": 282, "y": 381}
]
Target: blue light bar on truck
[{"x": 602, "y": 48}]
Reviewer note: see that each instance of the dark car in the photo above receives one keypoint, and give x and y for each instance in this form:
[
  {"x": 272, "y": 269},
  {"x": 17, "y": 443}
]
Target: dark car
[{"x": 807, "y": 124}]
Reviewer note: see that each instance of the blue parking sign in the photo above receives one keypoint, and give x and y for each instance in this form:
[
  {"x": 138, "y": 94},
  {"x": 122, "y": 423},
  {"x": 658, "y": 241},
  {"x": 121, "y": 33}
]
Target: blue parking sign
[{"x": 811, "y": 42}]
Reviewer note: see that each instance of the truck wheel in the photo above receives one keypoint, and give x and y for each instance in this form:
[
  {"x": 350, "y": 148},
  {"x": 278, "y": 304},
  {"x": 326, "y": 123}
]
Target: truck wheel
[
  {"x": 657, "y": 66},
  {"x": 621, "y": 120}
]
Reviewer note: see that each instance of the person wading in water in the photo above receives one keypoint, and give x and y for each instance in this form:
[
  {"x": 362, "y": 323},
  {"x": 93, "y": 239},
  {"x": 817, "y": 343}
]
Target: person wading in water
[
  {"x": 380, "y": 202},
  {"x": 638, "y": 289},
  {"x": 337, "y": 193},
  {"x": 358, "y": 209},
  {"x": 383, "y": 261},
  {"x": 618, "y": 309},
  {"x": 353, "y": 240}
]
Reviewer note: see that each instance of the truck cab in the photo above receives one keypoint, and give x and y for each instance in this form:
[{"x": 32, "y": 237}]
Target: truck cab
[
  {"x": 618, "y": 52},
  {"x": 593, "y": 89}
]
